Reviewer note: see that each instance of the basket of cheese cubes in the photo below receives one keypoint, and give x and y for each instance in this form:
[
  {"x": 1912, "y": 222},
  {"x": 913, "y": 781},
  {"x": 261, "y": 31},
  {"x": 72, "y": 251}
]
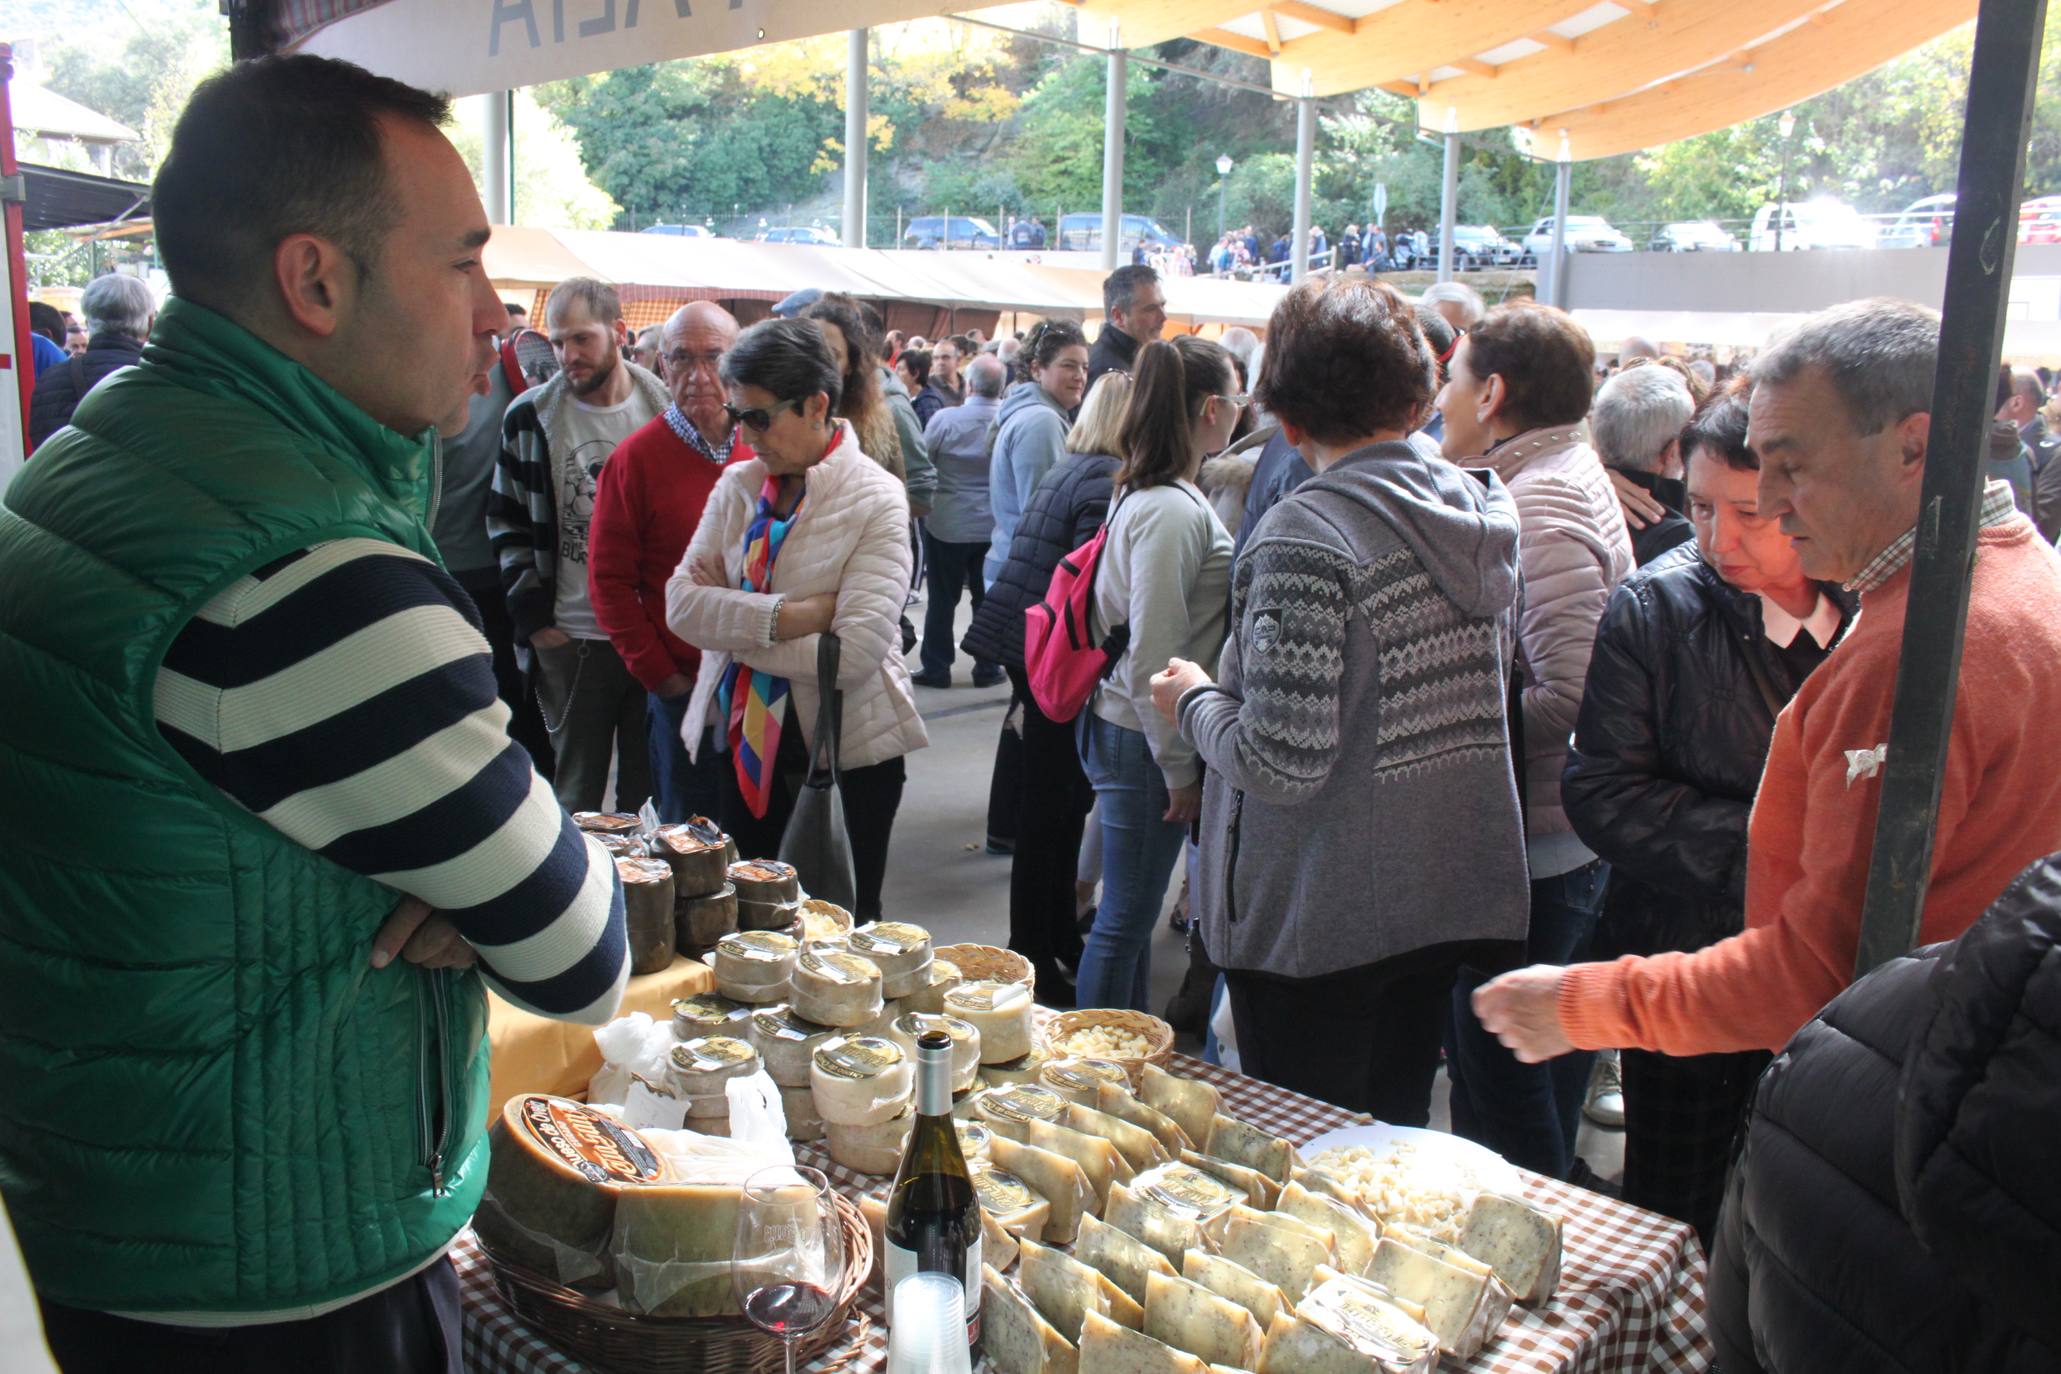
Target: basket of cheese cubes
[{"x": 1130, "y": 1038}]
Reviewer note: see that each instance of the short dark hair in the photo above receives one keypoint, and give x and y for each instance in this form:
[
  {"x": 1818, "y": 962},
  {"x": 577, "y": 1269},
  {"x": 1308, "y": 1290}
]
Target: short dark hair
[
  {"x": 1546, "y": 360},
  {"x": 1719, "y": 427},
  {"x": 271, "y": 147},
  {"x": 46, "y": 320},
  {"x": 1439, "y": 333},
  {"x": 917, "y": 360},
  {"x": 1345, "y": 358},
  {"x": 1047, "y": 338},
  {"x": 1119, "y": 286},
  {"x": 789, "y": 358}
]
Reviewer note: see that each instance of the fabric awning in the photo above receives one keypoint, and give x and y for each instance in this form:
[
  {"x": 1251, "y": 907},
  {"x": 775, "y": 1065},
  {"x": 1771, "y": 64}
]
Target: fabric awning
[{"x": 62, "y": 199}]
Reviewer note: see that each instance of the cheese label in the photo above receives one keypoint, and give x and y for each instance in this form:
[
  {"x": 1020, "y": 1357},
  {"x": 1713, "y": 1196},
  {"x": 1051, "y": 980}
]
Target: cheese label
[
  {"x": 858, "y": 1057},
  {"x": 707, "y": 1009},
  {"x": 1023, "y": 1102},
  {"x": 973, "y": 1139},
  {"x": 758, "y": 944},
  {"x": 1076, "y": 1075},
  {"x": 643, "y": 870},
  {"x": 780, "y": 1023},
  {"x": 1366, "y": 1322},
  {"x": 761, "y": 870},
  {"x": 1190, "y": 1192},
  {"x": 682, "y": 839},
  {"x": 890, "y": 937},
  {"x": 712, "y": 1053},
  {"x": 589, "y": 1143},
  {"x": 839, "y": 967},
  {"x": 914, "y": 1023},
  {"x": 606, "y": 822},
  {"x": 1001, "y": 1192}
]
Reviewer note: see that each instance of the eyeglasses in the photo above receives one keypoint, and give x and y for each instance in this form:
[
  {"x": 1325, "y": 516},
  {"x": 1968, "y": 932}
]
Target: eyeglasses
[
  {"x": 756, "y": 419},
  {"x": 680, "y": 360},
  {"x": 1239, "y": 401}
]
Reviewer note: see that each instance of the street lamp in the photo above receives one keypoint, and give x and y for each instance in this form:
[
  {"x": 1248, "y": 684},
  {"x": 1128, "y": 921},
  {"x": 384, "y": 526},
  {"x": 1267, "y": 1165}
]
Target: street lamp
[
  {"x": 1787, "y": 126},
  {"x": 1223, "y": 183}
]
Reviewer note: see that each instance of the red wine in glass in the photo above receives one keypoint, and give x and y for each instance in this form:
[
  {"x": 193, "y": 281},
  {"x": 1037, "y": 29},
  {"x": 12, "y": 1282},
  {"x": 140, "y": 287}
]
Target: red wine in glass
[{"x": 789, "y": 1310}]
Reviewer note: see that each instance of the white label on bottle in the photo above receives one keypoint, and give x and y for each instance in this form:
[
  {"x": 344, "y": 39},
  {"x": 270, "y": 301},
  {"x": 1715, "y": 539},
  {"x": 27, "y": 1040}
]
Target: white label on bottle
[{"x": 899, "y": 1264}]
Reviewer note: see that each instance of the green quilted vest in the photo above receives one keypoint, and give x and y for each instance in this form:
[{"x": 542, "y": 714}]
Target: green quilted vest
[{"x": 209, "y": 1101}]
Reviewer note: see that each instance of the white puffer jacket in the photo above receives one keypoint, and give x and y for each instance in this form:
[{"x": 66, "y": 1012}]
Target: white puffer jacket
[{"x": 851, "y": 537}]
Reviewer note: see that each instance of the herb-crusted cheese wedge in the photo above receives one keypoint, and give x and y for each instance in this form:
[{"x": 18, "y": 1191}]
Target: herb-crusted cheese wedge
[
  {"x": 1230, "y": 1279},
  {"x": 1189, "y": 1317},
  {"x": 1123, "y": 1257},
  {"x": 1018, "y": 1340},
  {"x": 1107, "y": 1348},
  {"x": 1066, "y": 1290}
]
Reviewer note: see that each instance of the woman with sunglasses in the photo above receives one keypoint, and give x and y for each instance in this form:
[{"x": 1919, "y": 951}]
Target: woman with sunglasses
[
  {"x": 1165, "y": 575},
  {"x": 810, "y": 536}
]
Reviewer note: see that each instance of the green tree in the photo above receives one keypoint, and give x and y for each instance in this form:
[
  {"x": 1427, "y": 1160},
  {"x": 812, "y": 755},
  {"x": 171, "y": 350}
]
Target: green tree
[{"x": 552, "y": 190}]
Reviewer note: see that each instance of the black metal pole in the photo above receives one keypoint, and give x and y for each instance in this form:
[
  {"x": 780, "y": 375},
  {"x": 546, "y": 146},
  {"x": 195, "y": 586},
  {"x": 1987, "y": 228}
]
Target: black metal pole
[{"x": 2001, "y": 79}]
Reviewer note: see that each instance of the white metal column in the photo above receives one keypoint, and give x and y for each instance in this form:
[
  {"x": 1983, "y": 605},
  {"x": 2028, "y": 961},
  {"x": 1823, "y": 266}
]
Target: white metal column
[
  {"x": 1305, "y": 159},
  {"x": 855, "y": 147},
  {"x": 1113, "y": 154},
  {"x": 1563, "y": 173},
  {"x": 1448, "y": 206},
  {"x": 496, "y": 169}
]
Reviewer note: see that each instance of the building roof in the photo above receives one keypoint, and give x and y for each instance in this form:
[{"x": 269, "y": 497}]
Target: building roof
[{"x": 47, "y": 114}]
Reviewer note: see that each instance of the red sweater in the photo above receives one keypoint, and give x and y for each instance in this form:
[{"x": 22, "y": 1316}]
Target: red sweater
[
  {"x": 646, "y": 504},
  {"x": 1813, "y": 825}
]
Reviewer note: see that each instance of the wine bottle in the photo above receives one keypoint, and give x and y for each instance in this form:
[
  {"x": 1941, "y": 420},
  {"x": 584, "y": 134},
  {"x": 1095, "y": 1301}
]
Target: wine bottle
[{"x": 933, "y": 1215}]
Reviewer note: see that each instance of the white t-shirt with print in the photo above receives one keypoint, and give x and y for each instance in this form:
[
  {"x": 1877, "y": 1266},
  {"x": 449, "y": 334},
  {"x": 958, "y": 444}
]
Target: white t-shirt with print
[{"x": 594, "y": 432}]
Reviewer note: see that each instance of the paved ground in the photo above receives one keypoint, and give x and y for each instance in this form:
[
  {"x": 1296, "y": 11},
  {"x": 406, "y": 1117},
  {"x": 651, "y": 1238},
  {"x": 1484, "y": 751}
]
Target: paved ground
[{"x": 940, "y": 877}]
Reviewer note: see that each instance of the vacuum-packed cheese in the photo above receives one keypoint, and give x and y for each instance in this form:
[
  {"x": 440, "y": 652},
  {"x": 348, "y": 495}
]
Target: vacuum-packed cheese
[
  {"x": 557, "y": 1169},
  {"x": 1374, "y": 1323},
  {"x": 1122, "y": 1256},
  {"x": 870, "y": 1149},
  {"x": 1230, "y": 1279},
  {"x": 607, "y": 822},
  {"x": 787, "y": 1043},
  {"x": 647, "y": 913},
  {"x": 1065, "y": 1290},
  {"x": 1241, "y": 1143},
  {"x": 930, "y": 998},
  {"x": 1462, "y": 1308},
  {"x": 1296, "y": 1346},
  {"x": 1107, "y": 1348},
  {"x": 1189, "y": 1317},
  {"x": 1520, "y": 1242},
  {"x": 1190, "y": 1102},
  {"x": 1133, "y": 1142},
  {"x": 1260, "y": 1191},
  {"x": 701, "y": 922},
  {"x": 1017, "y": 1338},
  {"x": 974, "y": 1141},
  {"x": 799, "y": 1104},
  {"x": 1005, "y": 1109},
  {"x": 1002, "y": 1014},
  {"x": 1352, "y": 1235},
  {"x": 1118, "y": 1102},
  {"x": 755, "y": 965},
  {"x": 1054, "y": 1177},
  {"x": 906, "y": 1028},
  {"x": 709, "y": 1013},
  {"x": 897, "y": 946},
  {"x": 700, "y": 1067},
  {"x": 765, "y": 881},
  {"x": 1028, "y": 1069},
  {"x": 695, "y": 850},
  {"x": 860, "y": 1080},
  {"x": 835, "y": 989},
  {"x": 1076, "y": 1078},
  {"x": 1098, "y": 1158},
  {"x": 997, "y": 1246},
  {"x": 1279, "y": 1254},
  {"x": 1015, "y": 1205},
  {"x": 671, "y": 1250},
  {"x": 1172, "y": 1208},
  {"x": 621, "y": 846}
]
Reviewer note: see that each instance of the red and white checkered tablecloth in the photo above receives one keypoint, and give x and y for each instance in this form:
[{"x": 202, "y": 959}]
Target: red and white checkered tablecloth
[{"x": 1630, "y": 1297}]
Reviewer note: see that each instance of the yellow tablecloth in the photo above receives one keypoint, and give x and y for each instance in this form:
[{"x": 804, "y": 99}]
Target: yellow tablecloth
[{"x": 534, "y": 1054}]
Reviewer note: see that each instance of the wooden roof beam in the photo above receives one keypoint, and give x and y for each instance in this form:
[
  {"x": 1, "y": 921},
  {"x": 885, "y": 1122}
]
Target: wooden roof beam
[
  {"x": 1554, "y": 40},
  {"x": 1474, "y": 65},
  {"x": 1312, "y": 14},
  {"x": 1236, "y": 42},
  {"x": 1272, "y": 28},
  {"x": 1405, "y": 39}
]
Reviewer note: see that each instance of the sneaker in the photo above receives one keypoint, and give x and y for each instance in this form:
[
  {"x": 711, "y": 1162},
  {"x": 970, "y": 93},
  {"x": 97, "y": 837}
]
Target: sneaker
[
  {"x": 1605, "y": 1105},
  {"x": 938, "y": 680},
  {"x": 999, "y": 846}
]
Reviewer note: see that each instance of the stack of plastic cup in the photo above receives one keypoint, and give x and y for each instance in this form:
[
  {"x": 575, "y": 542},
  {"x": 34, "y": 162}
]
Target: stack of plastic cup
[{"x": 927, "y": 1331}]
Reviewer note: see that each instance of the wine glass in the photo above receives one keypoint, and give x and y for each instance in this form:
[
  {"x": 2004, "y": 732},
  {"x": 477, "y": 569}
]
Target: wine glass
[{"x": 788, "y": 1265}]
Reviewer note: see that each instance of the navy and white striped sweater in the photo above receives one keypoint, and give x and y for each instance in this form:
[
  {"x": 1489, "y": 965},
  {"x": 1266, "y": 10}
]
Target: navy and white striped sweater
[{"x": 345, "y": 695}]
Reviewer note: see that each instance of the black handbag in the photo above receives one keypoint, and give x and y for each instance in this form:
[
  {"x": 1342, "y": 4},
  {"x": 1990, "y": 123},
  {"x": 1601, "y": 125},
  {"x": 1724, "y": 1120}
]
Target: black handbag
[{"x": 815, "y": 840}]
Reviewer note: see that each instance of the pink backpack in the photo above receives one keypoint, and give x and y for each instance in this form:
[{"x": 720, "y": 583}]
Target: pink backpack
[{"x": 1061, "y": 659}]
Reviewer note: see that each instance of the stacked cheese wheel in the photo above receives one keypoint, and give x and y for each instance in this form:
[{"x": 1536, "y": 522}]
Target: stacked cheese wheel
[
  {"x": 901, "y": 952},
  {"x": 698, "y": 1071},
  {"x": 647, "y": 912},
  {"x": 768, "y": 895},
  {"x": 787, "y": 1045},
  {"x": 704, "y": 902},
  {"x": 862, "y": 1087},
  {"x": 755, "y": 965}
]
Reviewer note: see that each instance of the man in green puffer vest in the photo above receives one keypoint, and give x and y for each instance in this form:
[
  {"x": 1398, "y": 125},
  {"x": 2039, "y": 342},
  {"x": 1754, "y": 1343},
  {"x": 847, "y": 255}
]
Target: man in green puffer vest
[{"x": 268, "y": 840}]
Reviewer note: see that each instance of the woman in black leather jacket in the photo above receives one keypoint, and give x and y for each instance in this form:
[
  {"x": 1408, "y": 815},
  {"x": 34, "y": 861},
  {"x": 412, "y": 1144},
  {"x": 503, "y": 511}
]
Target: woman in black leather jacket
[
  {"x": 1695, "y": 656},
  {"x": 1896, "y": 1209}
]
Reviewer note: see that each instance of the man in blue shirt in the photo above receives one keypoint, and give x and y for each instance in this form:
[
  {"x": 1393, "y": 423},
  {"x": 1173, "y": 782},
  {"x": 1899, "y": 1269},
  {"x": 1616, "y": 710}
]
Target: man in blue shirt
[{"x": 46, "y": 336}]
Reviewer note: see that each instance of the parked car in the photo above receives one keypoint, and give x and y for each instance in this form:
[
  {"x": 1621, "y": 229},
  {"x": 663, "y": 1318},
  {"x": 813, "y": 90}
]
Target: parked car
[
  {"x": 1478, "y": 245},
  {"x": 1585, "y": 234},
  {"x": 1811, "y": 224},
  {"x": 1083, "y": 233},
  {"x": 1926, "y": 223},
  {"x": 1691, "y": 236},
  {"x": 966, "y": 231},
  {"x": 685, "y": 231},
  {"x": 802, "y": 233},
  {"x": 2039, "y": 221}
]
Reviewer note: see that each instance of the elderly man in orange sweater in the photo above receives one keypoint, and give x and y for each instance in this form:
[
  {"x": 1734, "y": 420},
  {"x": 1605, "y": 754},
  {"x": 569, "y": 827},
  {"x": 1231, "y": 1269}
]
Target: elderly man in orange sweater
[{"x": 1840, "y": 416}]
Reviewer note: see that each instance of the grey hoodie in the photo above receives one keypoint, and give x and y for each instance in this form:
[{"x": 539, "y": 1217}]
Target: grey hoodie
[
  {"x": 1030, "y": 438},
  {"x": 1360, "y": 800}
]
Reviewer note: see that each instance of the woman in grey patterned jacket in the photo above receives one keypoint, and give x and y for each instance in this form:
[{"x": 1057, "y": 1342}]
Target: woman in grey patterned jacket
[{"x": 1361, "y": 836}]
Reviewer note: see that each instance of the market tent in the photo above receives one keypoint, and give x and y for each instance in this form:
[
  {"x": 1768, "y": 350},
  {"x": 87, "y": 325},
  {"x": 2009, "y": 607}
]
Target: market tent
[
  {"x": 58, "y": 198},
  {"x": 516, "y": 256},
  {"x": 46, "y": 114}
]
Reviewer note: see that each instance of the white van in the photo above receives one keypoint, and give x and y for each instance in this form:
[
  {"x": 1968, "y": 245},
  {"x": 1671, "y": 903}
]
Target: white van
[{"x": 1811, "y": 224}]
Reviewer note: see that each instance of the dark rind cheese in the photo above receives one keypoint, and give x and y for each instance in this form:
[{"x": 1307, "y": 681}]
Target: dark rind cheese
[
  {"x": 699, "y": 923},
  {"x": 648, "y": 913},
  {"x": 607, "y": 822},
  {"x": 696, "y": 855},
  {"x": 765, "y": 880}
]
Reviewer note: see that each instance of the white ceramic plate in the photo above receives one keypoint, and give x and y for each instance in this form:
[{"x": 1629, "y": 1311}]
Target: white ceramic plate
[{"x": 1484, "y": 1167}]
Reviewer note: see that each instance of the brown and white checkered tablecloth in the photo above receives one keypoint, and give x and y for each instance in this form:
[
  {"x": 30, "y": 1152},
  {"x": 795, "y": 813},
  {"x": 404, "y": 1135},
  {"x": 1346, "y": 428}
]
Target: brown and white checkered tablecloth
[{"x": 1630, "y": 1297}]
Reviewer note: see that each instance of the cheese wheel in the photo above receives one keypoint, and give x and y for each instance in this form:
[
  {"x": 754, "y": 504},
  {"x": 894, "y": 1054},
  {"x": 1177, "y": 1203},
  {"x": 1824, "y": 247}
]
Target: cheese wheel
[
  {"x": 1024, "y": 1070},
  {"x": 824, "y": 922},
  {"x": 910, "y": 1025},
  {"x": 765, "y": 880},
  {"x": 557, "y": 1169},
  {"x": 861, "y": 1080},
  {"x": 1016, "y": 1336},
  {"x": 647, "y": 913},
  {"x": 708, "y": 1013},
  {"x": 781, "y": 916},
  {"x": 1520, "y": 1242},
  {"x": 1001, "y": 1012},
  {"x": 671, "y": 1250},
  {"x": 900, "y": 986},
  {"x": 1189, "y": 1317},
  {"x": 800, "y": 1106},
  {"x": 787, "y": 1043},
  {"x": 755, "y": 965},
  {"x": 1076, "y": 1078},
  {"x": 701, "y": 1067},
  {"x": 835, "y": 989},
  {"x": 607, "y": 822},
  {"x": 930, "y": 998},
  {"x": 1190, "y": 1102},
  {"x": 870, "y": 1149},
  {"x": 1065, "y": 1290},
  {"x": 1014, "y": 1204},
  {"x": 1108, "y": 1348},
  {"x": 1006, "y": 1108},
  {"x": 701, "y": 922},
  {"x": 897, "y": 946},
  {"x": 695, "y": 852}
]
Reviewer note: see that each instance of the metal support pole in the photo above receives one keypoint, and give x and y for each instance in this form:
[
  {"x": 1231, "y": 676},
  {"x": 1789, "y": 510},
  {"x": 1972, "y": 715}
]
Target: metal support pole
[
  {"x": 1563, "y": 174},
  {"x": 495, "y": 168},
  {"x": 2001, "y": 79},
  {"x": 1113, "y": 154},
  {"x": 1448, "y": 206},
  {"x": 855, "y": 141},
  {"x": 1305, "y": 162}
]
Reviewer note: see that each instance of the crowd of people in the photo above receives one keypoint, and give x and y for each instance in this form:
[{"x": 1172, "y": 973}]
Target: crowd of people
[
  {"x": 1246, "y": 251},
  {"x": 1506, "y": 720}
]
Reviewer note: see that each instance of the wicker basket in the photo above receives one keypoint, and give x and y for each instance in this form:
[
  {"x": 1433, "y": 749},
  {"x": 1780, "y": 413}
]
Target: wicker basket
[
  {"x": 986, "y": 964},
  {"x": 1158, "y": 1035},
  {"x": 609, "y": 1338}
]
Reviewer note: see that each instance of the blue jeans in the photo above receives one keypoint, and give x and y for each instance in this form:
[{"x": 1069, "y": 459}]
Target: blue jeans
[
  {"x": 1139, "y": 850},
  {"x": 680, "y": 788},
  {"x": 1527, "y": 1113}
]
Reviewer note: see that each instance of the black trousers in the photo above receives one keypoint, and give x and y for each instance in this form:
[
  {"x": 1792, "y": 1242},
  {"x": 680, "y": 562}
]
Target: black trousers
[
  {"x": 954, "y": 570},
  {"x": 1681, "y": 1118},
  {"x": 1053, "y": 801},
  {"x": 1367, "y": 1039},
  {"x": 871, "y": 796},
  {"x": 526, "y": 722},
  {"x": 411, "y": 1328}
]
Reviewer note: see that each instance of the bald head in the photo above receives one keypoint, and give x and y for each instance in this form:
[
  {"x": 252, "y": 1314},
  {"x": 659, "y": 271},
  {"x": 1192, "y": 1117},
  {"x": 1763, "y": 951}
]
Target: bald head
[{"x": 696, "y": 337}]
